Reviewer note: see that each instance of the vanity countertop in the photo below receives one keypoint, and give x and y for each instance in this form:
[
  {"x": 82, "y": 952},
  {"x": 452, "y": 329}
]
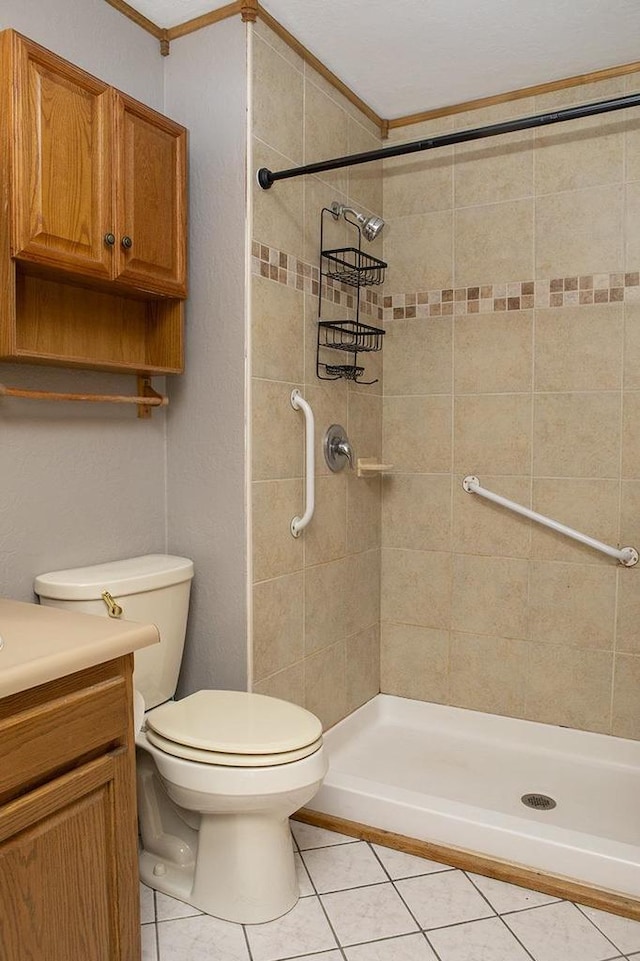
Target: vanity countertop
[{"x": 40, "y": 644}]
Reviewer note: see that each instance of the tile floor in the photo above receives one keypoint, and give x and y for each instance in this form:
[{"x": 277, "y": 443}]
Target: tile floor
[{"x": 362, "y": 902}]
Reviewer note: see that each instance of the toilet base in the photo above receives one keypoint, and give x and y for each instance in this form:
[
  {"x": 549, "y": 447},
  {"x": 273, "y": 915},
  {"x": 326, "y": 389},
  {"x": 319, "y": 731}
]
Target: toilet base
[{"x": 244, "y": 870}]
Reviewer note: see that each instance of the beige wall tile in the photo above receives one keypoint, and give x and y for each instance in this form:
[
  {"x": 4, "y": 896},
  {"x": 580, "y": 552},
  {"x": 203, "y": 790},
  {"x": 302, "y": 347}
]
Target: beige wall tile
[
  {"x": 277, "y": 432},
  {"x": 267, "y": 34},
  {"x": 414, "y": 662},
  {"x": 579, "y": 153},
  {"x": 489, "y": 595},
  {"x": 579, "y": 348},
  {"x": 418, "y": 356},
  {"x": 480, "y": 527},
  {"x": 276, "y": 308},
  {"x": 363, "y": 666},
  {"x": 278, "y": 101},
  {"x": 362, "y": 587},
  {"x": 416, "y": 588},
  {"x": 418, "y": 183},
  {"x": 364, "y": 423},
  {"x": 491, "y": 171},
  {"x": 325, "y": 689},
  {"x": 326, "y": 599},
  {"x": 579, "y": 232},
  {"x": 632, "y": 229},
  {"x": 488, "y": 673},
  {"x": 417, "y": 433},
  {"x": 494, "y": 241},
  {"x": 325, "y": 134},
  {"x": 589, "y": 506},
  {"x": 416, "y": 512},
  {"x": 278, "y": 608},
  {"x": 576, "y": 435},
  {"x": 632, "y": 140},
  {"x": 365, "y": 180},
  {"x": 625, "y": 720},
  {"x": 630, "y": 514},
  {"x": 632, "y": 346},
  {"x": 493, "y": 352},
  {"x": 318, "y": 195},
  {"x": 572, "y": 605},
  {"x": 277, "y": 214},
  {"x": 275, "y": 551},
  {"x": 364, "y": 509},
  {"x": 580, "y": 93},
  {"x": 325, "y": 539},
  {"x": 569, "y": 686},
  {"x": 287, "y": 685},
  {"x": 419, "y": 251},
  {"x": 331, "y": 91},
  {"x": 492, "y": 434},
  {"x": 628, "y": 611},
  {"x": 494, "y": 113},
  {"x": 631, "y": 434},
  {"x": 329, "y": 405}
]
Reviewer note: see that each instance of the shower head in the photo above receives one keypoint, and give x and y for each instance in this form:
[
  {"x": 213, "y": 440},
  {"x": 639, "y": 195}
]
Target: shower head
[{"x": 371, "y": 226}]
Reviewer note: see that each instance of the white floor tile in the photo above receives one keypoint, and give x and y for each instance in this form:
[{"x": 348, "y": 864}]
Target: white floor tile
[
  {"x": 149, "y": 947},
  {"x": 624, "y": 932},
  {"x": 325, "y": 956},
  {"x": 303, "y": 930},
  {"x": 401, "y": 865},
  {"x": 410, "y": 947},
  {"x": 304, "y": 884},
  {"x": 147, "y": 909},
  {"x": 368, "y": 914},
  {"x": 202, "y": 938},
  {"x": 445, "y": 898},
  {"x": 559, "y": 932},
  {"x": 509, "y": 897},
  {"x": 170, "y": 909},
  {"x": 309, "y": 836},
  {"x": 343, "y": 866},
  {"x": 487, "y": 939}
]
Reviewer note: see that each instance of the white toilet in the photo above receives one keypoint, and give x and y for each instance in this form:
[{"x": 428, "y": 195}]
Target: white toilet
[{"x": 219, "y": 772}]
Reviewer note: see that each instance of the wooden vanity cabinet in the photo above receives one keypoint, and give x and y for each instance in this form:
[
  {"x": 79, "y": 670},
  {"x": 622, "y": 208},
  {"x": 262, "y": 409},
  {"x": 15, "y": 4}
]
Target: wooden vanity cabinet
[
  {"x": 68, "y": 834},
  {"x": 93, "y": 196}
]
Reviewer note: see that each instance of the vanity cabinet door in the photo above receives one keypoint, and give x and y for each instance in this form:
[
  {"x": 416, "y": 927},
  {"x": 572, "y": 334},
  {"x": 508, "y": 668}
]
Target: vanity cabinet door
[
  {"x": 68, "y": 877},
  {"x": 150, "y": 200},
  {"x": 63, "y": 176}
]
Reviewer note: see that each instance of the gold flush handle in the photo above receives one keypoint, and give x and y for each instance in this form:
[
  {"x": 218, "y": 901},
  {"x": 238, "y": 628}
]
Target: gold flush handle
[{"x": 113, "y": 608}]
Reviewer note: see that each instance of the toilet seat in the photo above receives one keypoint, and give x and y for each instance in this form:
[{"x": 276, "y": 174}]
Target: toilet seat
[{"x": 234, "y": 728}]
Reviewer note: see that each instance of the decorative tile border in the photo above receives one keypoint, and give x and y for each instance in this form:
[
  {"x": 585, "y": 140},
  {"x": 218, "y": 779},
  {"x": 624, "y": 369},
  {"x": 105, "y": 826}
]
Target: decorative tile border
[
  {"x": 521, "y": 295},
  {"x": 289, "y": 270}
]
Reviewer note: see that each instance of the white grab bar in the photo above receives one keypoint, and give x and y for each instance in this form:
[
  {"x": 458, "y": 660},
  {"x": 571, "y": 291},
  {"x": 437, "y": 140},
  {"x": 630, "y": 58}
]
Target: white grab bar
[
  {"x": 298, "y": 524},
  {"x": 628, "y": 556}
]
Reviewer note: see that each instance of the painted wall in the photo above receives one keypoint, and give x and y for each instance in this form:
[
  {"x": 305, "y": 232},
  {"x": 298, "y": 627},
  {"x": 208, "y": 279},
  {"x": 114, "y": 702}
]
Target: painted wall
[
  {"x": 315, "y": 598},
  {"x": 513, "y": 315},
  {"x": 79, "y": 484},
  {"x": 206, "y": 89}
]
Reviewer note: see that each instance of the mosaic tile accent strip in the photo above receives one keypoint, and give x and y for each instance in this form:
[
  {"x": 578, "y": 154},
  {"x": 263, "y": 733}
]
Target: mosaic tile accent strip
[
  {"x": 521, "y": 295},
  {"x": 577, "y": 291},
  {"x": 289, "y": 270}
]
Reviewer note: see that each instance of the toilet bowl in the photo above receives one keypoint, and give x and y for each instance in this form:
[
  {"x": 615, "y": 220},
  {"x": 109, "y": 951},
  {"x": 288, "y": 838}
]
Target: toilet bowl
[{"x": 218, "y": 772}]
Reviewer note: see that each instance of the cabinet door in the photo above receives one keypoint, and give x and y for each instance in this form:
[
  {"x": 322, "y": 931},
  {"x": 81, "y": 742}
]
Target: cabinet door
[
  {"x": 68, "y": 886},
  {"x": 63, "y": 191},
  {"x": 151, "y": 200}
]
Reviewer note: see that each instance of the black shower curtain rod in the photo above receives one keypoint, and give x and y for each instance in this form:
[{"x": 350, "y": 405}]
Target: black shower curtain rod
[{"x": 266, "y": 177}]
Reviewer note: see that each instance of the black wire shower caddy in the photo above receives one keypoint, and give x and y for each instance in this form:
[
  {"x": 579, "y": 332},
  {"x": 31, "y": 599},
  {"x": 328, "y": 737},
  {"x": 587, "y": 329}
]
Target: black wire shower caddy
[{"x": 351, "y": 268}]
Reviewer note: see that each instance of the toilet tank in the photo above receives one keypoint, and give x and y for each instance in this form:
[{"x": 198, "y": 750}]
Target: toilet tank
[{"x": 153, "y": 589}]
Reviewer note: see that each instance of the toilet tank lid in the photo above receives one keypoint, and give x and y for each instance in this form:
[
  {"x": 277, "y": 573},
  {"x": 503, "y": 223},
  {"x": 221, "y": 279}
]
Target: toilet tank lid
[{"x": 131, "y": 576}]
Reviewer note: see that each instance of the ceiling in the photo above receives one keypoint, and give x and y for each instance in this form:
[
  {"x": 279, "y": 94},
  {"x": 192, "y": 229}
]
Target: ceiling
[{"x": 407, "y": 56}]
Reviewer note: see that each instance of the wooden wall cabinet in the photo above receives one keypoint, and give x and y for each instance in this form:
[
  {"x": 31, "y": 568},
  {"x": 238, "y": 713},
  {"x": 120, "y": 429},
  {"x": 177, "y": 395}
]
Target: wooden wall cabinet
[
  {"x": 93, "y": 229},
  {"x": 68, "y": 835}
]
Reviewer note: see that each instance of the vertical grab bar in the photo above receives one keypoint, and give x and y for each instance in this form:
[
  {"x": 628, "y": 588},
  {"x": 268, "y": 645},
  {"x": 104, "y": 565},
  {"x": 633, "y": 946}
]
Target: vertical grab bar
[{"x": 298, "y": 524}]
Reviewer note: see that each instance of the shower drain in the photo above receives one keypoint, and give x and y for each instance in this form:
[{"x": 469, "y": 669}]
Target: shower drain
[{"x": 541, "y": 802}]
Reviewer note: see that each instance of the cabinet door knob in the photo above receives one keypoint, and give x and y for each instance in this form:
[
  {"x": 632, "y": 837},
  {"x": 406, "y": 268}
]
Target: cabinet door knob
[
  {"x": 127, "y": 242},
  {"x": 109, "y": 240}
]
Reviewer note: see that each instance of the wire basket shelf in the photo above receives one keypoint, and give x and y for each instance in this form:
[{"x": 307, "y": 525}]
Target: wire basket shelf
[
  {"x": 346, "y": 371},
  {"x": 351, "y": 266},
  {"x": 351, "y": 335}
]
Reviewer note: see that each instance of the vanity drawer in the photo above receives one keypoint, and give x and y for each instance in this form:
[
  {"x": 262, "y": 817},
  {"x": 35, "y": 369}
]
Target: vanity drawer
[{"x": 60, "y": 724}]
